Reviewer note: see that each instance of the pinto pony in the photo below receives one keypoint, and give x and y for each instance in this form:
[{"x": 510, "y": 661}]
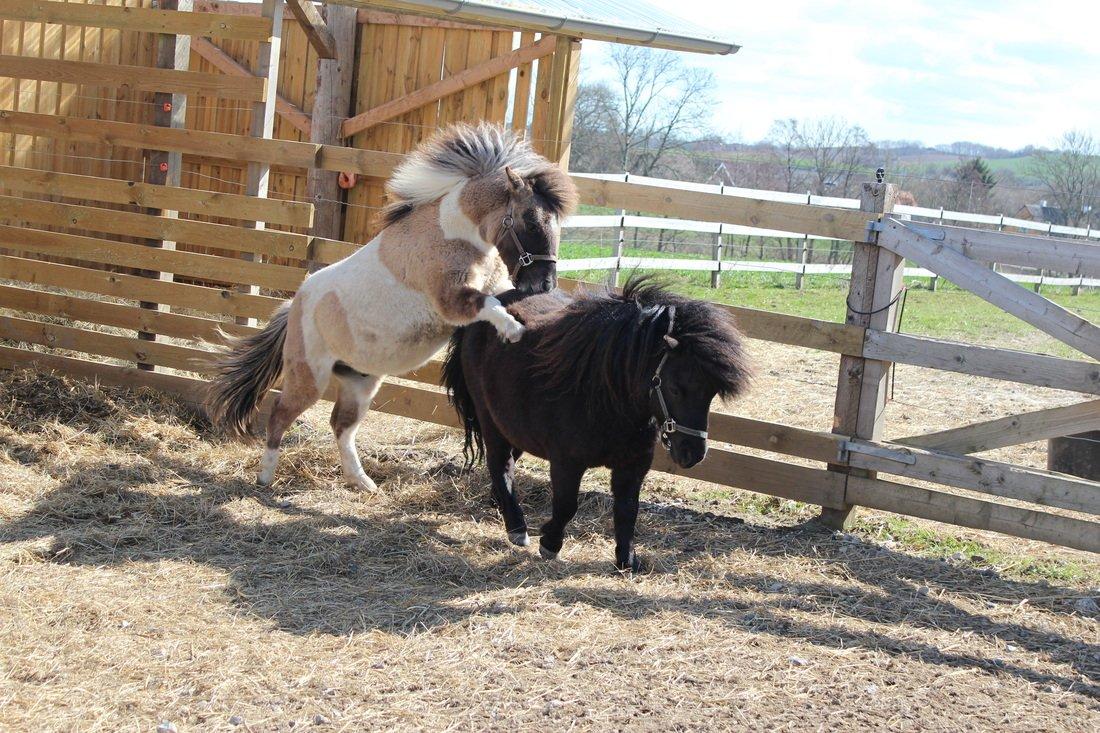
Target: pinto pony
[
  {"x": 594, "y": 382},
  {"x": 470, "y": 211}
]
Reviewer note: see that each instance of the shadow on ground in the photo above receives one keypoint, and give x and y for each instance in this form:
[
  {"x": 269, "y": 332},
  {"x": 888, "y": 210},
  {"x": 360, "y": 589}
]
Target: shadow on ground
[{"x": 404, "y": 569}]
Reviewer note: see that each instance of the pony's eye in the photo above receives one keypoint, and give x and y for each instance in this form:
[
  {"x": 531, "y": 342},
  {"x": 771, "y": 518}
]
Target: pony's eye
[{"x": 674, "y": 389}]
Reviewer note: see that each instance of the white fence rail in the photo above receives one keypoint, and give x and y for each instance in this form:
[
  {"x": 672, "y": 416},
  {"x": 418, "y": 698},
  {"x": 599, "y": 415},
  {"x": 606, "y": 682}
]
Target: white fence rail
[{"x": 654, "y": 223}]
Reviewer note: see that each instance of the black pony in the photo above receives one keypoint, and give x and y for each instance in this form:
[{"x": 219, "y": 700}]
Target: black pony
[{"x": 595, "y": 381}]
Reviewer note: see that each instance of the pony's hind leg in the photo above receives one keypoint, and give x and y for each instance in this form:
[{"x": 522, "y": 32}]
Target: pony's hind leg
[
  {"x": 293, "y": 401},
  {"x": 356, "y": 390},
  {"x": 500, "y": 460}
]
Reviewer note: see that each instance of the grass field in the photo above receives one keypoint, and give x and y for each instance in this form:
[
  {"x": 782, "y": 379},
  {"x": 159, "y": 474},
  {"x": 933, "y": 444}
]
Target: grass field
[{"x": 949, "y": 312}]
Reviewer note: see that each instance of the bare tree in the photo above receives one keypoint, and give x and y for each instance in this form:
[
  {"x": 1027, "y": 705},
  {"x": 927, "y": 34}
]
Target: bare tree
[
  {"x": 658, "y": 106},
  {"x": 1071, "y": 175}
]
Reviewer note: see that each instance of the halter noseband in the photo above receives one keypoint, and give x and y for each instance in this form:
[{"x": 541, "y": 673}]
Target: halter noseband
[
  {"x": 669, "y": 425},
  {"x": 507, "y": 226}
]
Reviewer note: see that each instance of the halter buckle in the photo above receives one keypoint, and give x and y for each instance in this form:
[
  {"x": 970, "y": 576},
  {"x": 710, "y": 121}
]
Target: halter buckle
[
  {"x": 668, "y": 427},
  {"x": 525, "y": 259},
  {"x": 507, "y": 222}
]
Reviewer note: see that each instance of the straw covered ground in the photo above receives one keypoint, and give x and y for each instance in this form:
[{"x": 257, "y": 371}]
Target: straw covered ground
[{"x": 145, "y": 580}]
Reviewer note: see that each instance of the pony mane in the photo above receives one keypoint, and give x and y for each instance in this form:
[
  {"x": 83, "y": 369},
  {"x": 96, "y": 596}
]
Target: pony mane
[
  {"x": 463, "y": 151},
  {"x": 607, "y": 344}
]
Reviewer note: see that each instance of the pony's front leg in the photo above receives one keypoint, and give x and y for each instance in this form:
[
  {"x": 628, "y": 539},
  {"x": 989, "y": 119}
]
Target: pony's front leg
[
  {"x": 501, "y": 464},
  {"x": 626, "y": 486},
  {"x": 462, "y": 305},
  {"x": 356, "y": 390},
  {"x": 565, "y": 480}
]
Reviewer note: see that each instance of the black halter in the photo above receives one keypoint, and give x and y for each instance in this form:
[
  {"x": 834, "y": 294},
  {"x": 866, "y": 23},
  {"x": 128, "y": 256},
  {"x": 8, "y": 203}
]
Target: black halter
[
  {"x": 669, "y": 425},
  {"x": 507, "y": 226}
]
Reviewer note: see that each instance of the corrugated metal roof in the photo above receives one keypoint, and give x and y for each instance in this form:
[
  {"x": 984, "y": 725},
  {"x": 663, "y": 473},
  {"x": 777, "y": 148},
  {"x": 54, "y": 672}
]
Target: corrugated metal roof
[{"x": 622, "y": 21}]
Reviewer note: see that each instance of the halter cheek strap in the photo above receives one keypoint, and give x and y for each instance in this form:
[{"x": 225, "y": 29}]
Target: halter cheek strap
[
  {"x": 507, "y": 226},
  {"x": 669, "y": 424}
]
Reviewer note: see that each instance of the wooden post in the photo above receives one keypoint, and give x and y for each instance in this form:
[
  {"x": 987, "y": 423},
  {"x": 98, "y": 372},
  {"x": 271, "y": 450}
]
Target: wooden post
[
  {"x": 613, "y": 279},
  {"x": 263, "y": 119},
  {"x": 716, "y": 273},
  {"x": 331, "y": 106},
  {"x": 564, "y": 76},
  {"x": 164, "y": 168},
  {"x": 872, "y": 299}
]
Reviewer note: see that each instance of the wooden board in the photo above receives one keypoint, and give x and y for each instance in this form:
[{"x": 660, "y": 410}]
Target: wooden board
[
  {"x": 993, "y": 287},
  {"x": 446, "y": 87},
  {"x": 137, "y": 19},
  {"x": 1071, "y": 257},
  {"x": 119, "y": 315},
  {"x": 188, "y": 200},
  {"x": 964, "y": 511},
  {"x": 984, "y": 361},
  {"x": 104, "y": 344},
  {"x": 223, "y": 301},
  {"x": 316, "y": 30},
  {"x": 137, "y": 77},
  {"x": 109, "y": 252},
  {"x": 702, "y": 206},
  {"x": 1027, "y": 427},
  {"x": 988, "y": 477},
  {"x": 17, "y": 211}
]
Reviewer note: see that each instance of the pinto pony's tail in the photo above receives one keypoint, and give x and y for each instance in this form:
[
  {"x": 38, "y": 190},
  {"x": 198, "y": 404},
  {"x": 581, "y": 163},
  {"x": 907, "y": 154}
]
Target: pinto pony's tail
[
  {"x": 458, "y": 394},
  {"x": 247, "y": 370}
]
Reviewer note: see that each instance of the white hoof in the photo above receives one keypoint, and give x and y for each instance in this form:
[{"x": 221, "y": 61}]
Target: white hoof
[
  {"x": 363, "y": 483},
  {"x": 519, "y": 538},
  {"x": 265, "y": 479},
  {"x": 512, "y": 331}
]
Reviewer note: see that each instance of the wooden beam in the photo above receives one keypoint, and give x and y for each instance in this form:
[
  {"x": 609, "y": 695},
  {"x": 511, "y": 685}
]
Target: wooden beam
[
  {"x": 90, "y": 310},
  {"x": 570, "y": 48},
  {"x": 522, "y": 99},
  {"x": 1072, "y": 257},
  {"x": 872, "y": 298},
  {"x": 228, "y": 65},
  {"x": 964, "y": 511},
  {"x": 258, "y": 174},
  {"x": 16, "y": 211},
  {"x": 314, "y": 26},
  {"x": 1026, "y": 427},
  {"x": 978, "y": 474},
  {"x": 172, "y": 22},
  {"x": 823, "y": 221},
  {"x": 166, "y": 260},
  {"x": 223, "y": 301},
  {"x": 136, "y": 77},
  {"x": 452, "y": 84},
  {"x": 331, "y": 106},
  {"x": 993, "y": 287},
  {"x": 190, "y": 200},
  {"x": 164, "y": 168},
  {"x": 984, "y": 361}
]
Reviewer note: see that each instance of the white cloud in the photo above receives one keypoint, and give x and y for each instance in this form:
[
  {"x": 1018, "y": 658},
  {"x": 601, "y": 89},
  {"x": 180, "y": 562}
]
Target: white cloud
[{"x": 1006, "y": 73}]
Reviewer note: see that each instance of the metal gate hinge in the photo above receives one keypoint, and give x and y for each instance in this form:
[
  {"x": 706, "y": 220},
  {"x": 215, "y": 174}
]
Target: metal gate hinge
[{"x": 848, "y": 447}]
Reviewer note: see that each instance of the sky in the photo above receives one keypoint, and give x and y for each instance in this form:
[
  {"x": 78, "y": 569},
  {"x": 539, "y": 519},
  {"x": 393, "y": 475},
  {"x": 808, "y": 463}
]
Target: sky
[{"x": 1007, "y": 73}]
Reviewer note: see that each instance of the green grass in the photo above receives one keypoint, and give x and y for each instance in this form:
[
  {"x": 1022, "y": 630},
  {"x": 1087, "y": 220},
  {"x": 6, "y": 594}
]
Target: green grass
[{"x": 949, "y": 313}]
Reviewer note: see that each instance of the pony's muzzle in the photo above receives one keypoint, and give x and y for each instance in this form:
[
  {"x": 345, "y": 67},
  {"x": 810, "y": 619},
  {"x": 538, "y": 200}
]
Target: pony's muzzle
[
  {"x": 687, "y": 452},
  {"x": 538, "y": 277}
]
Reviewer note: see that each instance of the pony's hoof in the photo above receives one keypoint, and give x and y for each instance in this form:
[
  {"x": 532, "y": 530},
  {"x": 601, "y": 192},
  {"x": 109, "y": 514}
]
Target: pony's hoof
[
  {"x": 520, "y": 539},
  {"x": 547, "y": 554},
  {"x": 513, "y": 332},
  {"x": 264, "y": 481},
  {"x": 633, "y": 566},
  {"x": 363, "y": 483}
]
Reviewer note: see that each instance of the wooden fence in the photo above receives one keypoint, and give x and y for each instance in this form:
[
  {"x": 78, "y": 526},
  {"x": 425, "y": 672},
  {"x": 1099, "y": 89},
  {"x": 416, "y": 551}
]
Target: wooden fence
[{"x": 61, "y": 310}]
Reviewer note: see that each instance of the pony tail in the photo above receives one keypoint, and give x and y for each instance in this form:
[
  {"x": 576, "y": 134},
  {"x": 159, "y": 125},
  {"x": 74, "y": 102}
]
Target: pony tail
[
  {"x": 247, "y": 371},
  {"x": 458, "y": 394}
]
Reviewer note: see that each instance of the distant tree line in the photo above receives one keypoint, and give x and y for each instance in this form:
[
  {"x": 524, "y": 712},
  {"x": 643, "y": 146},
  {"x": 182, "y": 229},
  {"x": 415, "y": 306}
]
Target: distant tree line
[{"x": 650, "y": 117}]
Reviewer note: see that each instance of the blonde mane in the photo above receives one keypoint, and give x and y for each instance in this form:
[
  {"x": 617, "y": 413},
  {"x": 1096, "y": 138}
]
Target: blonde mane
[{"x": 455, "y": 155}]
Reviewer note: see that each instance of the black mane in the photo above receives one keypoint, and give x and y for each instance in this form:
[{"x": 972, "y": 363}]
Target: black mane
[{"x": 605, "y": 343}]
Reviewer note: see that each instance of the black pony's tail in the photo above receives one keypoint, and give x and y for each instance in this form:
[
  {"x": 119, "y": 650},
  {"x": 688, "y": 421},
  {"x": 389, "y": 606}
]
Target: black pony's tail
[{"x": 458, "y": 394}]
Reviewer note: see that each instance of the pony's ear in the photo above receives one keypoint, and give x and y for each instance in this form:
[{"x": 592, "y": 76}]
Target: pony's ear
[{"x": 515, "y": 183}]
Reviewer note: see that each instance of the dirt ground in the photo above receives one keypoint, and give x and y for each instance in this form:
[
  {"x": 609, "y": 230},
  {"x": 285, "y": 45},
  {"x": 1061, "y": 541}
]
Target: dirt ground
[{"x": 144, "y": 579}]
